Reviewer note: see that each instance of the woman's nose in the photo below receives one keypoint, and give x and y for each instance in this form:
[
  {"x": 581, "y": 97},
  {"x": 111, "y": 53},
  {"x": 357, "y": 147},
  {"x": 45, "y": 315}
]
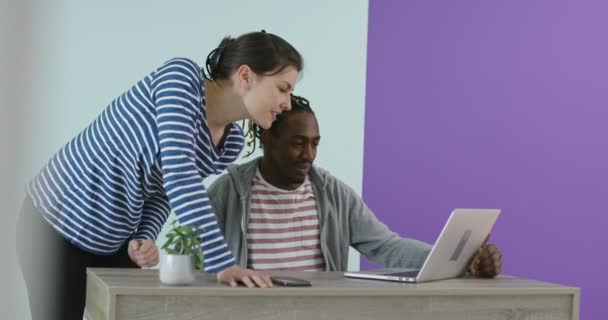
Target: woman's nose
[{"x": 287, "y": 105}]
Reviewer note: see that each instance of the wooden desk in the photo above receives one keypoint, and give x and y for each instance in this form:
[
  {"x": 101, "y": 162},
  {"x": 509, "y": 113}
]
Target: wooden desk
[{"x": 117, "y": 294}]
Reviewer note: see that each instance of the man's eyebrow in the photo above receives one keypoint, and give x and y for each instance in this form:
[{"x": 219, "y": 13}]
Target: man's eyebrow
[{"x": 305, "y": 137}]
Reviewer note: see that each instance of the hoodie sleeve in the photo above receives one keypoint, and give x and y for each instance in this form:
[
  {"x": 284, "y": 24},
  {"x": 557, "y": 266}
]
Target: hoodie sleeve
[
  {"x": 373, "y": 238},
  {"x": 219, "y": 196}
]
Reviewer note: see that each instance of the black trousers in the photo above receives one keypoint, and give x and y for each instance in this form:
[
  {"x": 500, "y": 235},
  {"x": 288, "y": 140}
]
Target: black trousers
[{"x": 54, "y": 269}]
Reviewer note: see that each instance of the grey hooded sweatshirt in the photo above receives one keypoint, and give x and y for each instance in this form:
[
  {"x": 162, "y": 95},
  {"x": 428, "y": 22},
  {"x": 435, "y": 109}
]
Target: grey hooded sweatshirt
[{"x": 344, "y": 221}]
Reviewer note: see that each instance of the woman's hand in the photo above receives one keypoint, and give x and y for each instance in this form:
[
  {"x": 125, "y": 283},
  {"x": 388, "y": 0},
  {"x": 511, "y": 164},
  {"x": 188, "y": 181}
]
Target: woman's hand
[
  {"x": 143, "y": 252},
  {"x": 251, "y": 278}
]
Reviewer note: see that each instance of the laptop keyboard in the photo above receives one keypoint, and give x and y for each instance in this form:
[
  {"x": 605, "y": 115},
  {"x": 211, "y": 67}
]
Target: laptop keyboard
[{"x": 406, "y": 274}]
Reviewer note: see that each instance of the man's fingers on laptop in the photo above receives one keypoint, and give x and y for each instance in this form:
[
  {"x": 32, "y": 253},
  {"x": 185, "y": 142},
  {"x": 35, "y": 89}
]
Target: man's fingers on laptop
[
  {"x": 474, "y": 264},
  {"x": 486, "y": 262},
  {"x": 489, "y": 249},
  {"x": 490, "y": 262}
]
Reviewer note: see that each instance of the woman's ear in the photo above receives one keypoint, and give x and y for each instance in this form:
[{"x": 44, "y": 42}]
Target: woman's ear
[{"x": 244, "y": 76}]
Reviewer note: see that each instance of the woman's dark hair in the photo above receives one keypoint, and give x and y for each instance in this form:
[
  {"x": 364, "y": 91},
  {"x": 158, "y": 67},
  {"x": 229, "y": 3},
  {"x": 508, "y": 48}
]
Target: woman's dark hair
[
  {"x": 265, "y": 53},
  {"x": 254, "y": 132}
]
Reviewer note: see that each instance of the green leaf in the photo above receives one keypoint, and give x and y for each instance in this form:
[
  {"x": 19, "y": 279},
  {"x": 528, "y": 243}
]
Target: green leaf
[{"x": 184, "y": 240}]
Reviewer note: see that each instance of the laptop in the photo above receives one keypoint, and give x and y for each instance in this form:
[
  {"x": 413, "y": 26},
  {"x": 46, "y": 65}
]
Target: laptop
[{"x": 461, "y": 237}]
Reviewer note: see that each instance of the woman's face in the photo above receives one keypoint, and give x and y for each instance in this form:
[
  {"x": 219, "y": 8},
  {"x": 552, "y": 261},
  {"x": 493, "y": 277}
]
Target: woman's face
[{"x": 269, "y": 95}]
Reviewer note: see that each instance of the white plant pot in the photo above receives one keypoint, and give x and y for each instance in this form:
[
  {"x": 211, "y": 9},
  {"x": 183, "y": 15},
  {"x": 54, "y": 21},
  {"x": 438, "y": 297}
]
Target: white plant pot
[{"x": 176, "y": 269}]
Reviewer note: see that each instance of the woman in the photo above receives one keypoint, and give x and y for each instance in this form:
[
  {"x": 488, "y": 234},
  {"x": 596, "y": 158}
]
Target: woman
[{"x": 103, "y": 198}]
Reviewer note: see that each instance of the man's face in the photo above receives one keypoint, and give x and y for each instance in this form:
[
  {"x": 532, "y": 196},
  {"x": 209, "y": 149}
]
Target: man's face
[{"x": 294, "y": 149}]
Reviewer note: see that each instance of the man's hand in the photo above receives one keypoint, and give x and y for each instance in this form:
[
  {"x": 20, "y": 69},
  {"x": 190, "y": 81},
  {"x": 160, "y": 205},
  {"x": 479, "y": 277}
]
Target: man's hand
[
  {"x": 251, "y": 278},
  {"x": 143, "y": 252},
  {"x": 487, "y": 262}
]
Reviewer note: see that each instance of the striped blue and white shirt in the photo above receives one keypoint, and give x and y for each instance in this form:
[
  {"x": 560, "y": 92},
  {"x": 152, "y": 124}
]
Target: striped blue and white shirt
[{"x": 145, "y": 155}]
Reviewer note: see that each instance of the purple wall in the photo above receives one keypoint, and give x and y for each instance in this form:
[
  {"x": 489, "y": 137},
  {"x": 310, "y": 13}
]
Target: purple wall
[{"x": 495, "y": 104}]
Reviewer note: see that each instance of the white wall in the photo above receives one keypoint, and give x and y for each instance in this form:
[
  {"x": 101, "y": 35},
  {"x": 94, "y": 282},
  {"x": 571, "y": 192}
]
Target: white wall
[
  {"x": 15, "y": 38},
  {"x": 87, "y": 53}
]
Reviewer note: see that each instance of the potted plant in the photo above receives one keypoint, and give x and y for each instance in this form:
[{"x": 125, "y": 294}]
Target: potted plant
[{"x": 184, "y": 255}]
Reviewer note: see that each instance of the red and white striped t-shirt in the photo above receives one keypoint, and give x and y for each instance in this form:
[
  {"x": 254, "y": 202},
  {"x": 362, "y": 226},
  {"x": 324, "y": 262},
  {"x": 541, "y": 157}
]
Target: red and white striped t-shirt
[{"x": 283, "y": 229}]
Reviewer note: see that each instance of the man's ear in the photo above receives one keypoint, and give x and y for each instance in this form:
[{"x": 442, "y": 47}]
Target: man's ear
[{"x": 266, "y": 139}]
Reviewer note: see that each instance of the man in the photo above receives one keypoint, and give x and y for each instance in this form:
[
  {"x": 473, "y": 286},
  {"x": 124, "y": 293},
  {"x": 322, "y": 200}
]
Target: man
[{"x": 282, "y": 212}]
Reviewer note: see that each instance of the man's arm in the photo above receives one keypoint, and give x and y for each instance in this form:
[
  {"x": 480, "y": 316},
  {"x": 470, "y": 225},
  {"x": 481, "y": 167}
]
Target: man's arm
[{"x": 375, "y": 241}]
